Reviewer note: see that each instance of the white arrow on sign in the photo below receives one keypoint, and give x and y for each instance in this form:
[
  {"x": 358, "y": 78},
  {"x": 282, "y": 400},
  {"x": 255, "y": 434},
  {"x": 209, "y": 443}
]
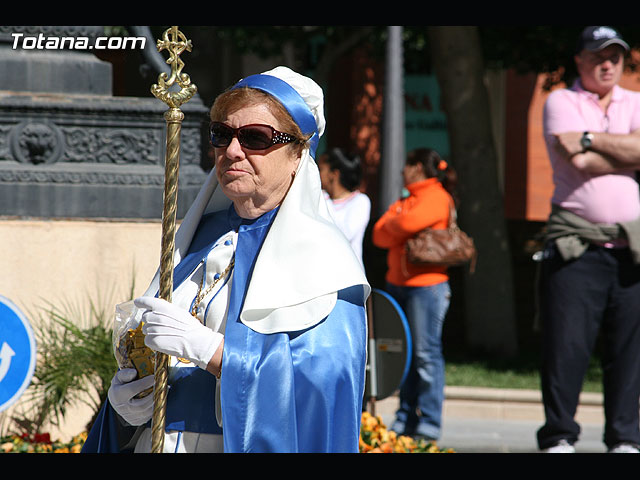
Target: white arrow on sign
[{"x": 5, "y": 359}]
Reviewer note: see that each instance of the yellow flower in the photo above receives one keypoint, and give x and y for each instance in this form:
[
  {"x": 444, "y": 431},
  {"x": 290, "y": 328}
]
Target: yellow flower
[{"x": 375, "y": 438}]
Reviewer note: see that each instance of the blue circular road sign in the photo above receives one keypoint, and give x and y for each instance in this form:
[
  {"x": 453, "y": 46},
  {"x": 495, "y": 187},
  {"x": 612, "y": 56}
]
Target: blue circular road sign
[{"x": 17, "y": 353}]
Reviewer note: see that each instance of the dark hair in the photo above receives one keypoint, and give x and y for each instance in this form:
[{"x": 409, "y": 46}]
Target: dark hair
[
  {"x": 433, "y": 165},
  {"x": 348, "y": 165}
]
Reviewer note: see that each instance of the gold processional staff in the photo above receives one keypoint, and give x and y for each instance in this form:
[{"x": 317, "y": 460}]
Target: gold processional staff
[{"x": 175, "y": 43}]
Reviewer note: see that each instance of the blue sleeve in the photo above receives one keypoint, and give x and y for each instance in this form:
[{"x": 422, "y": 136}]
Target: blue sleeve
[
  {"x": 330, "y": 363},
  {"x": 109, "y": 434},
  {"x": 297, "y": 392}
]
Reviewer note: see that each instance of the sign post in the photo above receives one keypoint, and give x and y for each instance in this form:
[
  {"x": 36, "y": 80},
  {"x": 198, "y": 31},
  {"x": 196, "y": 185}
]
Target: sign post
[{"x": 389, "y": 347}]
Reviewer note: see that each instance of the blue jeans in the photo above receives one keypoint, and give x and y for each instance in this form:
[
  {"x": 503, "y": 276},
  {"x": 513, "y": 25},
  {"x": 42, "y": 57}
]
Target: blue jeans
[{"x": 422, "y": 392}]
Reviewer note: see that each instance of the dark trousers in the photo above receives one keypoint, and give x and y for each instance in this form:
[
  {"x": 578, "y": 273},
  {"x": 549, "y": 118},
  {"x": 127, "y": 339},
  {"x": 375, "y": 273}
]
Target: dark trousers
[{"x": 596, "y": 294}]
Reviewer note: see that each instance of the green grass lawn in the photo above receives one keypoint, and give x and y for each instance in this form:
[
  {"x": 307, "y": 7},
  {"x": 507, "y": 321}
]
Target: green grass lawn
[{"x": 521, "y": 372}]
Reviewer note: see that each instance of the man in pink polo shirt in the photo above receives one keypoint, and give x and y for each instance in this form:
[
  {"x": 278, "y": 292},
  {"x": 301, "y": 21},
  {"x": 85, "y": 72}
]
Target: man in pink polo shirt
[{"x": 590, "y": 273}]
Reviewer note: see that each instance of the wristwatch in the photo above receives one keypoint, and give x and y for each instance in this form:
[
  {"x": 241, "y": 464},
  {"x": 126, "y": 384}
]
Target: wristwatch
[{"x": 586, "y": 140}]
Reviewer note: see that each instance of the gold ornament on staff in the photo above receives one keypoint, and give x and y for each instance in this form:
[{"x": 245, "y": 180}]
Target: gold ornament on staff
[{"x": 175, "y": 43}]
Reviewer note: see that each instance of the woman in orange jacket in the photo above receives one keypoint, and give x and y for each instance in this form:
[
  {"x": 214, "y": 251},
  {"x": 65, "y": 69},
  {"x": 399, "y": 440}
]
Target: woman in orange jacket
[{"x": 422, "y": 292}]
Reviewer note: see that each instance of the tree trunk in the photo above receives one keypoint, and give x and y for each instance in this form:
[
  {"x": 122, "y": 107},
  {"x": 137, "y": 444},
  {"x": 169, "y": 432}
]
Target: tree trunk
[{"x": 488, "y": 293}]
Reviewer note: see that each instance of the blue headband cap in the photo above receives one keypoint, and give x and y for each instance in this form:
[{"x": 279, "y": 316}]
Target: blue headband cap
[{"x": 290, "y": 99}]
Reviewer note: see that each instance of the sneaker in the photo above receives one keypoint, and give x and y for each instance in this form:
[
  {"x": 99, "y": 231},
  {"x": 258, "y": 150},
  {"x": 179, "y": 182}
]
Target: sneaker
[
  {"x": 427, "y": 432},
  {"x": 624, "y": 448},
  {"x": 561, "y": 447}
]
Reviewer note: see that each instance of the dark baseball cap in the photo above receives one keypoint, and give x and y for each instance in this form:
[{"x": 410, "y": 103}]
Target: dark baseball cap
[{"x": 597, "y": 38}]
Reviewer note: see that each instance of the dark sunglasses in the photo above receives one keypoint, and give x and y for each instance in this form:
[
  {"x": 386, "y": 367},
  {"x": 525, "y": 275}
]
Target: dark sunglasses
[{"x": 253, "y": 137}]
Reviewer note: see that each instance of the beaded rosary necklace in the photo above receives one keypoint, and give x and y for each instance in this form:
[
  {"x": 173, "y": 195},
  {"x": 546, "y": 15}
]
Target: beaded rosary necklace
[{"x": 202, "y": 294}]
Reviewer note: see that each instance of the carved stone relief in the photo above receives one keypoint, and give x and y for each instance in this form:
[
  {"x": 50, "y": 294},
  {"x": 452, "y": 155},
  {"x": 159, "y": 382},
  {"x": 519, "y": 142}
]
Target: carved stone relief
[
  {"x": 68, "y": 148},
  {"x": 36, "y": 143}
]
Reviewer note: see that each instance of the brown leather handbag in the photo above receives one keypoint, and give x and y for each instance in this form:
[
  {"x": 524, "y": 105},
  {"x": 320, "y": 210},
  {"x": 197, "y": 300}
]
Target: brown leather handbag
[{"x": 442, "y": 247}]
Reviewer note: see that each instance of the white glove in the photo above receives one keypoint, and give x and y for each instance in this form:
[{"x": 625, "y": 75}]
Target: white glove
[
  {"x": 136, "y": 411},
  {"x": 174, "y": 331}
]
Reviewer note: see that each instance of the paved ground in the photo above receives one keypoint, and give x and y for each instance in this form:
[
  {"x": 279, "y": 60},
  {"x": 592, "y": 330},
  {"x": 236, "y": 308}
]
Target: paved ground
[
  {"x": 502, "y": 421},
  {"x": 507, "y": 436}
]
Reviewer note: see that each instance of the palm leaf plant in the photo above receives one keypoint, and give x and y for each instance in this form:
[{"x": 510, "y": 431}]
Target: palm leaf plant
[{"x": 75, "y": 362}]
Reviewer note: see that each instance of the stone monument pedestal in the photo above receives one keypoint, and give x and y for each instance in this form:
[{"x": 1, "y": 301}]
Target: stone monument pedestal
[{"x": 68, "y": 148}]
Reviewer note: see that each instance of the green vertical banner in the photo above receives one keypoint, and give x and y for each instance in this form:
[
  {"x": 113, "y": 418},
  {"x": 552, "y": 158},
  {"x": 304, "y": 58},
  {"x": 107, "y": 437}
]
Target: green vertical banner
[{"x": 425, "y": 122}]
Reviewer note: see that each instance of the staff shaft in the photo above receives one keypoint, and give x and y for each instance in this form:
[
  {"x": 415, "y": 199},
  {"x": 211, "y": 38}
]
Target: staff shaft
[
  {"x": 174, "y": 119},
  {"x": 175, "y": 43}
]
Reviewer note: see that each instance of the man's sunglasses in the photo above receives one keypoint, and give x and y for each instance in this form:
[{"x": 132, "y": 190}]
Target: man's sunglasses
[{"x": 253, "y": 137}]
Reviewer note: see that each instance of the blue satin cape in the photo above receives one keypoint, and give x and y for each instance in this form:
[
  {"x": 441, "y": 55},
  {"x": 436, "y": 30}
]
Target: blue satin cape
[{"x": 282, "y": 392}]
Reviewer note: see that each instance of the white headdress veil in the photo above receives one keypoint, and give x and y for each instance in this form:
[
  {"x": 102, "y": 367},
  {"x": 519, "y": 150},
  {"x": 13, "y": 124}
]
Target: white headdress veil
[{"x": 305, "y": 259}]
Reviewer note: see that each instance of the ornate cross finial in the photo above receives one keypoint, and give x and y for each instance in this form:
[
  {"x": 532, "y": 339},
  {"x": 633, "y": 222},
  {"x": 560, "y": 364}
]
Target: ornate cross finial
[{"x": 174, "y": 41}]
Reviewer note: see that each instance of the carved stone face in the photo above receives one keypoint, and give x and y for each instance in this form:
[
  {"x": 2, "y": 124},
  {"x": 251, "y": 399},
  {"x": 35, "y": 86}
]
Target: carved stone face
[{"x": 37, "y": 142}]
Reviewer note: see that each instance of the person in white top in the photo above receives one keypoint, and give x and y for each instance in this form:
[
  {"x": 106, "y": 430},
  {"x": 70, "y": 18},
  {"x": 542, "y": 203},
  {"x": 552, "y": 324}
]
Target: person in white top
[{"x": 341, "y": 175}]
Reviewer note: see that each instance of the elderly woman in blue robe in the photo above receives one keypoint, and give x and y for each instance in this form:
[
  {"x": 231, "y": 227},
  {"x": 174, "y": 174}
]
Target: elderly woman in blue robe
[{"x": 266, "y": 330}]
